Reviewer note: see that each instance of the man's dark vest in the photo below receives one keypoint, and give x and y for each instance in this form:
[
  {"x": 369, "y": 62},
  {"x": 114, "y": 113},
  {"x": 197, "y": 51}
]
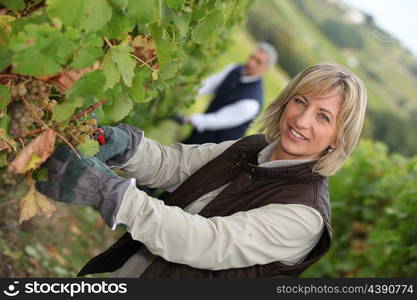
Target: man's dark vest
[
  {"x": 230, "y": 91},
  {"x": 251, "y": 187}
]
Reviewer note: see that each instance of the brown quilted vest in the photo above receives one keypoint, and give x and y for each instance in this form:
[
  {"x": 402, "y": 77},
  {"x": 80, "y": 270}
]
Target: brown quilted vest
[{"x": 251, "y": 187}]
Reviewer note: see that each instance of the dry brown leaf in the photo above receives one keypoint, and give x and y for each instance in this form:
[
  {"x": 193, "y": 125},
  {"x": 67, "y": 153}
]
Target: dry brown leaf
[
  {"x": 65, "y": 79},
  {"x": 34, "y": 203},
  {"x": 144, "y": 48},
  {"x": 35, "y": 153}
]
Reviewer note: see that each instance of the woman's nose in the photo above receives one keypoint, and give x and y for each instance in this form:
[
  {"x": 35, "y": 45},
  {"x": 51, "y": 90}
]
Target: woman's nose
[{"x": 304, "y": 119}]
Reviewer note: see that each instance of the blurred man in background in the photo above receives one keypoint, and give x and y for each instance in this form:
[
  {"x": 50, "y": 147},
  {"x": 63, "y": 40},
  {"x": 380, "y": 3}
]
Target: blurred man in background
[{"x": 238, "y": 98}]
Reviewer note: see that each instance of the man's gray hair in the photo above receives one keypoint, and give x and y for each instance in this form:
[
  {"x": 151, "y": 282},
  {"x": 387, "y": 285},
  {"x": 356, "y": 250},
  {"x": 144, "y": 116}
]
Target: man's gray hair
[{"x": 270, "y": 50}]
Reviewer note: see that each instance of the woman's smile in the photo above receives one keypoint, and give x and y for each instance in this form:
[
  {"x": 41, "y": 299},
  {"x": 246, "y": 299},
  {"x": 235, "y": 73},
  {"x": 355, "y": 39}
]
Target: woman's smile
[{"x": 296, "y": 135}]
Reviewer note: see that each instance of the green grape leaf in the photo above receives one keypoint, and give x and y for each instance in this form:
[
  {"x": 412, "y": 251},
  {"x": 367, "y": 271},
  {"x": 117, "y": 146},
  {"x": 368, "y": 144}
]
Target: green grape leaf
[
  {"x": 43, "y": 44},
  {"x": 182, "y": 21},
  {"x": 203, "y": 31},
  {"x": 170, "y": 69},
  {"x": 143, "y": 12},
  {"x": 5, "y": 58},
  {"x": 88, "y": 15},
  {"x": 110, "y": 71},
  {"x": 150, "y": 95},
  {"x": 121, "y": 56},
  {"x": 4, "y": 97},
  {"x": 20, "y": 23},
  {"x": 99, "y": 14},
  {"x": 120, "y": 106},
  {"x": 14, "y": 4},
  {"x": 199, "y": 12},
  {"x": 40, "y": 174},
  {"x": 122, "y": 4},
  {"x": 60, "y": 9},
  {"x": 5, "y": 29},
  {"x": 63, "y": 112},
  {"x": 89, "y": 148},
  {"x": 137, "y": 91},
  {"x": 89, "y": 85},
  {"x": 119, "y": 26},
  {"x": 4, "y": 121},
  {"x": 4, "y": 127},
  {"x": 162, "y": 47},
  {"x": 103, "y": 120},
  {"x": 174, "y": 3},
  {"x": 23, "y": 64},
  {"x": 90, "y": 49}
]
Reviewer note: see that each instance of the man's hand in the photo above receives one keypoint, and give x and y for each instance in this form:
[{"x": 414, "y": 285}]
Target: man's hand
[
  {"x": 83, "y": 181},
  {"x": 121, "y": 143},
  {"x": 180, "y": 119}
]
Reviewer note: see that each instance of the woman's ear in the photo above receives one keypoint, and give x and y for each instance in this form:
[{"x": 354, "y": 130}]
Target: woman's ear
[{"x": 330, "y": 148}]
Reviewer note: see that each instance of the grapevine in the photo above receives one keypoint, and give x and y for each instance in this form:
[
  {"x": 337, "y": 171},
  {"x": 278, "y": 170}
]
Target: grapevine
[
  {"x": 30, "y": 111},
  {"x": 125, "y": 60}
]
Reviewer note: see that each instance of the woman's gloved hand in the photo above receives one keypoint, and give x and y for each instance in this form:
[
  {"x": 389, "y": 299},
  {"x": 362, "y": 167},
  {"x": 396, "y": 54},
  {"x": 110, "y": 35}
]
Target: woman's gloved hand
[
  {"x": 121, "y": 143},
  {"x": 83, "y": 181}
]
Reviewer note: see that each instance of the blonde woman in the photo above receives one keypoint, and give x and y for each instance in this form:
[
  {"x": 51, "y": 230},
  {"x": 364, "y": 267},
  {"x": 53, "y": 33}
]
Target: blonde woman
[{"x": 254, "y": 207}]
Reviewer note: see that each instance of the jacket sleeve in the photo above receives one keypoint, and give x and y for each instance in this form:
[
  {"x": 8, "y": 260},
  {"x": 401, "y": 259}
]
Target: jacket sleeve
[
  {"x": 158, "y": 166},
  {"x": 227, "y": 117},
  {"x": 275, "y": 232},
  {"x": 211, "y": 83}
]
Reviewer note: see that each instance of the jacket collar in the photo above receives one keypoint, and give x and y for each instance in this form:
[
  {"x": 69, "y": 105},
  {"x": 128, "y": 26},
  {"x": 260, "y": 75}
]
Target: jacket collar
[{"x": 250, "y": 152}]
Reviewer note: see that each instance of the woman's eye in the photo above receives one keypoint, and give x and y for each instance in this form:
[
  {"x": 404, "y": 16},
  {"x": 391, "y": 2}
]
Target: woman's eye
[
  {"x": 299, "y": 101},
  {"x": 324, "y": 117}
]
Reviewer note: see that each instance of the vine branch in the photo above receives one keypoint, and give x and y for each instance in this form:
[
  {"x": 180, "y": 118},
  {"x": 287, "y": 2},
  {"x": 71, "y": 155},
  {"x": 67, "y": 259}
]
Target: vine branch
[
  {"x": 144, "y": 62},
  {"x": 88, "y": 110}
]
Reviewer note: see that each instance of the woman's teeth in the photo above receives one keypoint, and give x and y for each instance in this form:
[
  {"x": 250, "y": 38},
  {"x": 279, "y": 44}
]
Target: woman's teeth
[{"x": 296, "y": 134}]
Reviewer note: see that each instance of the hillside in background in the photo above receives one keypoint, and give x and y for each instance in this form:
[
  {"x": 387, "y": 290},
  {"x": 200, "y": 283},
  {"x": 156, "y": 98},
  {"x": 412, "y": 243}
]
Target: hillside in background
[{"x": 309, "y": 32}]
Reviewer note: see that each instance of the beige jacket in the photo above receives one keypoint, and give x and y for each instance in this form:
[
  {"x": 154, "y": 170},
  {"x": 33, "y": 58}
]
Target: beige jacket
[{"x": 275, "y": 232}]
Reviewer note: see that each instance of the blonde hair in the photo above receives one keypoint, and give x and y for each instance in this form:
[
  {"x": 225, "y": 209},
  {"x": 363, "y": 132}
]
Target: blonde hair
[{"x": 320, "y": 81}]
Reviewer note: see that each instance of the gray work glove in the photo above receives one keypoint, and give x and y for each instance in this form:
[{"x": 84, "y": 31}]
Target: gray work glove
[
  {"x": 83, "y": 181},
  {"x": 121, "y": 143}
]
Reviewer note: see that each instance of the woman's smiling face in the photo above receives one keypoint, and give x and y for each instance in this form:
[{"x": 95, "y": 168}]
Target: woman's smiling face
[{"x": 308, "y": 127}]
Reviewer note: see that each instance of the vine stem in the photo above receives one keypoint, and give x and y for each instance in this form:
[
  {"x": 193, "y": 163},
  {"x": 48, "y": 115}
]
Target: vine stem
[
  {"x": 33, "y": 7},
  {"x": 56, "y": 83},
  {"x": 108, "y": 42},
  {"x": 144, "y": 62},
  {"x": 12, "y": 76},
  {"x": 73, "y": 136},
  {"x": 34, "y": 131},
  {"x": 7, "y": 77},
  {"x": 69, "y": 144},
  {"x": 88, "y": 110}
]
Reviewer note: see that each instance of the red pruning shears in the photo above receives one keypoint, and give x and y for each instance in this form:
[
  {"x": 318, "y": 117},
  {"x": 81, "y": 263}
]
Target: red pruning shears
[{"x": 99, "y": 132}]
